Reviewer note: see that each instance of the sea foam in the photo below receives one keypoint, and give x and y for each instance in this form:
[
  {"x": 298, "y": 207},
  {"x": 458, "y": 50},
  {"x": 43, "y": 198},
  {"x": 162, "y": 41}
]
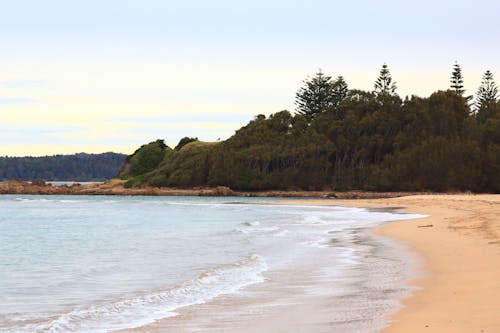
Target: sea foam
[{"x": 141, "y": 310}]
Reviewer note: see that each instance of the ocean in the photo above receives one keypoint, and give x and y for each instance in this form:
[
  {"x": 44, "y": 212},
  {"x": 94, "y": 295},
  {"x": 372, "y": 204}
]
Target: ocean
[{"x": 105, "y": 263}]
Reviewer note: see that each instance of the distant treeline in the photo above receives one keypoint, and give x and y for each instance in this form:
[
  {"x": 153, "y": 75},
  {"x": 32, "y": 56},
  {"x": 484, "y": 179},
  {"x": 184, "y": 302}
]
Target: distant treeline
[
  {"x": 344, "y": 139},
  {"x": 77, "y": 167}
]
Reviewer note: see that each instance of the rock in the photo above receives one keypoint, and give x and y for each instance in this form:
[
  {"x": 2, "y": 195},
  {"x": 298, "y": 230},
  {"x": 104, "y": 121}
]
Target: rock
[{"x": 223, "y": 191}]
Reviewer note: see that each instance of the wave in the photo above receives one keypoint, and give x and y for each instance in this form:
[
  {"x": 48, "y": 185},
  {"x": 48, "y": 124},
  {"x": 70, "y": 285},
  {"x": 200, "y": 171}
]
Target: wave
[
  {"x": 251, "y": 224},
  {"x": 56, "y": 199},
  {"x": 142, "y": 310},
  {"x": 263, "y": 231}
]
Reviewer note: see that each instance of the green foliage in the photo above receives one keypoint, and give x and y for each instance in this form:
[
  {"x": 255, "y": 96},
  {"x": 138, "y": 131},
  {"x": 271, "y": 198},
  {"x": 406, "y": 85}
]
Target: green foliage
[
  {"x": 366, "y": 140},
  {"x": 78, "y": 167},
  {"x": 184, "y": 141},
  {"x": 320, "y": 94},
  {"x": 123, "y": 176},
  {"x": 384, "y": 84},
  {"x": 437, "y": 163},
  {"x": 133, "y": 182},
  {"x": 185, "y": 168},
  {"x": 146, "y": 158},
  {"x": 457, "y": 80},
  {"x": 340, "y": 89},
  {"x": 486, "y": 94}
]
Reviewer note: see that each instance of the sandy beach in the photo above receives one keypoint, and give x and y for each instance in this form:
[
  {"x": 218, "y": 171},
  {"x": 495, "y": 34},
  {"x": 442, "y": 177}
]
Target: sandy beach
[
  {"x": 460, "y": 243},
  {"x": 458, "y": 289}
]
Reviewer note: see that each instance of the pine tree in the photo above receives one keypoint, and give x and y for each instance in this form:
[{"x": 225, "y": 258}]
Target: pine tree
[
  {"x": 340, "y": 89},
  {"x": 487, "y": 92},
  {"x": 316, "y": 96},
  {"x": 457, "y": 80},
  {"x": 384, "y": 84}
]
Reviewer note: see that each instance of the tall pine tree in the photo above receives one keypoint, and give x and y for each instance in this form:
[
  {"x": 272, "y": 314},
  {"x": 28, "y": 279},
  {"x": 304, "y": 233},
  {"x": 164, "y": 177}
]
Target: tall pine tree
[
  {"x": 316, "y": 96},
  {"x": 384, "y": 84},
  {"x": 340, "y": 89},
  {"x": 487, "y": 92},
  {"x": 457, "y": 80}
]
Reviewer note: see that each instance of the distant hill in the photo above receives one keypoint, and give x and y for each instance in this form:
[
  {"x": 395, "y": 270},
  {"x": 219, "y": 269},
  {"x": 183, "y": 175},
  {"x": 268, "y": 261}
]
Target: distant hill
[{"x": 78, "y": 167}]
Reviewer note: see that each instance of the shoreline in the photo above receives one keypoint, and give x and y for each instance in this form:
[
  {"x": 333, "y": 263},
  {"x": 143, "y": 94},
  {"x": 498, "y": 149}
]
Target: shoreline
[
  {"x": 460, "y": 244},
  {"x": 363, "y": 295},
  {"x": 116, "y": 187}
]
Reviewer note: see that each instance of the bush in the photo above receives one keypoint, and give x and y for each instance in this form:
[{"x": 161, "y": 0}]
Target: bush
[{"x": 147, "y": 158}]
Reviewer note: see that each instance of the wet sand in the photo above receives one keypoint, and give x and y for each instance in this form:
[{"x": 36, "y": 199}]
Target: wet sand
[
  {"x": 319, "y": 292},
  {"x": 459, "y": 244},
  {"x": 294, "y": 300}
]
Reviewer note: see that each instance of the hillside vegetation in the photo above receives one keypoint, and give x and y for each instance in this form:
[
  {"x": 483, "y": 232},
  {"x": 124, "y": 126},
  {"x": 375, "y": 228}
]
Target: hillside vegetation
[
  {"x": 78, "y": 167},
  {"x": 342, "y": 139}
]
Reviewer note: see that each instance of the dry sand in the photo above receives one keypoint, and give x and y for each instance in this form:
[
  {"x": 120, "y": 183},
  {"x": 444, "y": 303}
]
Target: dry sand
[{"x": 461, "y": 293}]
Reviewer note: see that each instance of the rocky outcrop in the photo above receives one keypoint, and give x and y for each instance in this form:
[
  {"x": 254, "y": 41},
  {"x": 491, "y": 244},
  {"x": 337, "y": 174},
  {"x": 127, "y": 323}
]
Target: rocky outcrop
[{"x": 116, "y": 187}]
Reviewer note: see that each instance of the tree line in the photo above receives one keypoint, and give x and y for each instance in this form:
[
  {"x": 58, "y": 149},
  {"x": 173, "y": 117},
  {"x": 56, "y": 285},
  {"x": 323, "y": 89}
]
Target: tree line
[
  {"x": 77, "y": 167},
  {"x": 341, "y": 139}
]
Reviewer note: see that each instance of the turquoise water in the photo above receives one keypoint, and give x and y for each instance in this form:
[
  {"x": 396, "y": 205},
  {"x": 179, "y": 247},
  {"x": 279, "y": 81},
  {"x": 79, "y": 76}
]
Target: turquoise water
[{"x": 99, "y": 263}]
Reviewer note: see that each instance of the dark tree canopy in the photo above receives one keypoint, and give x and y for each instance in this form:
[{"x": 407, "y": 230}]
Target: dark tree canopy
[
  {"x": 340, "y": 90},
  {"x": 320, "y": 94},
  {"x": 372, "y": 141},
  {"x": 146, "y": 158},
  {"x": 78, "y": 167},
  {"x": 315, "y": 96}
]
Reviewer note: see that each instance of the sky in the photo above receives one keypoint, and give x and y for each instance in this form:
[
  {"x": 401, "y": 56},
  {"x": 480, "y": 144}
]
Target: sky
[{"x": 97, "y": 76}]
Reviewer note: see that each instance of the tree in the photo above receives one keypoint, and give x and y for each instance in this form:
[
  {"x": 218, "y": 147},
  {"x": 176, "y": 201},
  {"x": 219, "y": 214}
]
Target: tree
[
  {"x": 347, "y": 139},
  {"x": 77, "y": 167},
  {"x": 340, "y": 90},
  {"x": 487, "y": 92},
  {"x": 146, "y": 158},
  {"x": 184, "y": 141},
  {"x": 384, "y": 84},
  {"x": 340, "y": 93},
  {"x": 316, "y": 96},
  {"x": 457, "y": 80}
]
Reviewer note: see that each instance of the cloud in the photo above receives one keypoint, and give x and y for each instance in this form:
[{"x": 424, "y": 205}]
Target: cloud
[{"x": 7, "y": 100}]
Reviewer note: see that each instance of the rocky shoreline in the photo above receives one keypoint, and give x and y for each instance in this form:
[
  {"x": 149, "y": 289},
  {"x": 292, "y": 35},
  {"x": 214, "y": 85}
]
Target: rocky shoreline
[{"x": 116, "y": 187}]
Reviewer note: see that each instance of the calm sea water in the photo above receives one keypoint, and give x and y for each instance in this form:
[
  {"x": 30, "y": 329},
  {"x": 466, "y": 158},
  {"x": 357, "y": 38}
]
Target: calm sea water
[{"x": 100, "y": 263}]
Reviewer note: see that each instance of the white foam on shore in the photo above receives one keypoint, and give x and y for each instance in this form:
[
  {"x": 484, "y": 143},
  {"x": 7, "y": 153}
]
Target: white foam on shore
[
  {"x": 300, "y": 235},
  {"x": 142, "y": 310}
]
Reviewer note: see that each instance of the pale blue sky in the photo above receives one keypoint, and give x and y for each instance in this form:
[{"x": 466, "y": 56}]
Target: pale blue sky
[{"x": 111, "y": 75}]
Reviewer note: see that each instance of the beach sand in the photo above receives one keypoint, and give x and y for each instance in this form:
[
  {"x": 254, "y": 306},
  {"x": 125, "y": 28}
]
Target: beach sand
[{"x": 460, "y": 290}]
